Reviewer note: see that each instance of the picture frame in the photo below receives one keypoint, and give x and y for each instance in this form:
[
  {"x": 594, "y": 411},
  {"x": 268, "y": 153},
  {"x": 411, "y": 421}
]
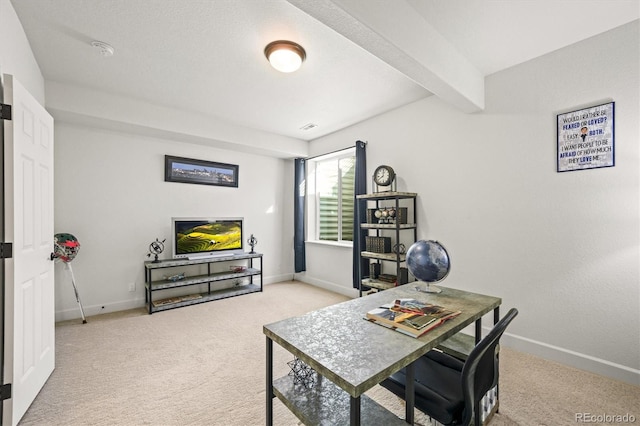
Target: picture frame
[
  {"x": 586, "y": 138},
  {"x": 200, "y": 172}
]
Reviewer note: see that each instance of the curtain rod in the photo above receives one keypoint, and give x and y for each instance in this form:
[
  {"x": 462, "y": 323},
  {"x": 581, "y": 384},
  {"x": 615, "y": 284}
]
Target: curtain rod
[{"x": 333, "y": 152}]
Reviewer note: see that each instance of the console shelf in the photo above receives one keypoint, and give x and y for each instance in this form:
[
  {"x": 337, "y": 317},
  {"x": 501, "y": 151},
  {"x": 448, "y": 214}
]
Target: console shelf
[
  {"x": 388, "y": 226},
  {"x": 203, "y": 279},
  {"x": 193, "y": 299},
  {"x": 383, "y": 256},
  {"x": 380, "y": 285},
  {"x": 168, "y": 268}
]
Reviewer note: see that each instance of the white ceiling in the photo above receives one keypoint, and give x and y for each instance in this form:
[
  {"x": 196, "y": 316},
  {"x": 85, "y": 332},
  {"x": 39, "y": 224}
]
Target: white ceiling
[{"x": 207, "y": 55}]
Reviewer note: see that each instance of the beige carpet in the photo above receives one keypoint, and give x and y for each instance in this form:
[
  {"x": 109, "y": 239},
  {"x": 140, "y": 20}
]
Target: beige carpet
[{"x": 205, "y": 365}]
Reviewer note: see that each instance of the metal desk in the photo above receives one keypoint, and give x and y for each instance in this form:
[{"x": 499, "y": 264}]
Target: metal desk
[{"x": 355, "y": 355}]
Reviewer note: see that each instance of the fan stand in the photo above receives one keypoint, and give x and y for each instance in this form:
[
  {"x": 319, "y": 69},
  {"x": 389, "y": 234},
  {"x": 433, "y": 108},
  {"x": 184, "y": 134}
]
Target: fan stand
[{"x": 75, "y": 290}]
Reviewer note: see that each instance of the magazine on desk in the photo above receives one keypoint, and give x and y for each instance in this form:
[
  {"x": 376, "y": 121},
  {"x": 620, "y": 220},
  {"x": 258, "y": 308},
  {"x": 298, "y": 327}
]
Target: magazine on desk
[{"x": 410, "y": 317}]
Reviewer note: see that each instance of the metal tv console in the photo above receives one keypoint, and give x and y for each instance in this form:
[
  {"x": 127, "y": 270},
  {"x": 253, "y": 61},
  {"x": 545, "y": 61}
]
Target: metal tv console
[{"x": 171, "y": 279}]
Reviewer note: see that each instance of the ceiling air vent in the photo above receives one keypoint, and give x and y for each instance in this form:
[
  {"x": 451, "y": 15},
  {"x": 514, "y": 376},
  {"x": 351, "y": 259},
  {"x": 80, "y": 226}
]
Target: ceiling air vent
[
  {"x": 308, "y": 126},
  {"x": 104, "y": 48}
]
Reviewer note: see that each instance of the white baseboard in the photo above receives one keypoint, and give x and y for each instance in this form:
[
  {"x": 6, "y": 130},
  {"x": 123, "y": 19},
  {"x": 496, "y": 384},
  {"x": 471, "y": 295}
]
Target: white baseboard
[
  {"x": 563, "y": 356},
  {"x": 523, "y": 344},
  {"x": 573, "y": 359},
  {"x": 278, "y": 278},
  {"x": 349, "y": 292},
  {"x": 135, "y": 303},
  {"x": 74, "y": 313}
]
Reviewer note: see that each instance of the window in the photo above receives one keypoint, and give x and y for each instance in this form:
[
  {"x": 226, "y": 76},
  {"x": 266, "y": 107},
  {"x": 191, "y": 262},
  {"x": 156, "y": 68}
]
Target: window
[{"x": 332, "y": 206}]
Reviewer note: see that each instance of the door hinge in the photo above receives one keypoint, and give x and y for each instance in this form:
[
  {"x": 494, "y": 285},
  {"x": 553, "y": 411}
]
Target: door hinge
[
  {"x": 5, "y": 112},
  {"x": 6, "y": 250},
  {"x": 5, "y": 392}
]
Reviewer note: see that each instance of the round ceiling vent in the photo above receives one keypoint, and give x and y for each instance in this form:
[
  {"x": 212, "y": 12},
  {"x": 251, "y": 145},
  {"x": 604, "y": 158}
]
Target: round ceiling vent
[{"x": 105, "y": 48}]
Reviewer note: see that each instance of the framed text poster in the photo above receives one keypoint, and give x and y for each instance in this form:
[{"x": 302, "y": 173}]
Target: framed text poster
[{"x": 585, "y": 138}]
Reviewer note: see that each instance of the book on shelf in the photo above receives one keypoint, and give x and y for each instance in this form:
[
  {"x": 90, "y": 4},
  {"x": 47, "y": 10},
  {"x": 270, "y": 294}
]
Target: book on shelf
[
  {"x": 177, "y": 299},
  {"x": 411, "y": 317},
  {"x": 388, "y": 278}
]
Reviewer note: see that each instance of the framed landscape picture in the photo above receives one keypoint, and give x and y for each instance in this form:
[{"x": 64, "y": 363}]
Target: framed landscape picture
[{"x": 202, "y": 172}]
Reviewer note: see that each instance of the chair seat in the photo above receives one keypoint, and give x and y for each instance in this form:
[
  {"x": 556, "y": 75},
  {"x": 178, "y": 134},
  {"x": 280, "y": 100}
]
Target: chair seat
[
  {"x": 450, "y": 390},
  {"x": 438, "y": 386}
]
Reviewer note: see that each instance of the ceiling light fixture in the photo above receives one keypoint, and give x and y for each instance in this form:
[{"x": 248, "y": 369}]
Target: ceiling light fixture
[
  {"x": 105, "y": 48},
  {"x": 285, "y": 56}
]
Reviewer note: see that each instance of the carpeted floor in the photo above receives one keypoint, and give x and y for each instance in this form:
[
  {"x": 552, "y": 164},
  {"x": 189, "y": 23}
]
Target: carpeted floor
[{"x": 205, "y": 365}]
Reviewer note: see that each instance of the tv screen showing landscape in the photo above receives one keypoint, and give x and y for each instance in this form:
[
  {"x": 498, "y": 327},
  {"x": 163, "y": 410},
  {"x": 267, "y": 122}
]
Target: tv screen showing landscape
[{"x": 207, "y": 236}]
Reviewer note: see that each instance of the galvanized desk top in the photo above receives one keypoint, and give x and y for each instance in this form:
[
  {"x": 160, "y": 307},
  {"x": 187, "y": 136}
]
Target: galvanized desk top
[{"x": 356, "y": 354}]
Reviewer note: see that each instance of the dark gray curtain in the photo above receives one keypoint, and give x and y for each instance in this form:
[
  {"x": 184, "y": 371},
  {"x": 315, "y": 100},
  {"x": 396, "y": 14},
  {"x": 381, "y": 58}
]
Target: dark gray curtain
[
  {"x": 360, "y": 266},
  {"x": 299, "y": 194}
]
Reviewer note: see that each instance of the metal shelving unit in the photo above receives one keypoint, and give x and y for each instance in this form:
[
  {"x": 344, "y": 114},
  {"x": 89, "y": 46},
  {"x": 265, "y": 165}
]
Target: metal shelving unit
[{"x": 379, "y": 200}]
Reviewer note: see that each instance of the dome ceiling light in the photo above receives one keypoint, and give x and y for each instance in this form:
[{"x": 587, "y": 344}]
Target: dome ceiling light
[{"x": 285, "y": 56}]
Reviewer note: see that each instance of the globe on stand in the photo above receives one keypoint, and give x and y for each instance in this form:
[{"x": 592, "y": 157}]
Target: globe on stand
[
  {"x": 155, "y": 249},
  {"x": 428, "y": 261}
]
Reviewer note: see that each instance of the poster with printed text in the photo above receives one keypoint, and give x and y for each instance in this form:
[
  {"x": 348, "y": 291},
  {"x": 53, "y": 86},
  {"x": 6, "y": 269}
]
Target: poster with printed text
[{"x": 585, "y": 138}]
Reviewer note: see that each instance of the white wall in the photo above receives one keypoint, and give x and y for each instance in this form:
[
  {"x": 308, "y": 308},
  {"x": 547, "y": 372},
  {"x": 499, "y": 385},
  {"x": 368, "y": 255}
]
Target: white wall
[
  {"x": 16, "y": 57},
  {"x": 111, "y": 194},
  {"x": 564, "y": 248},
  {"x": 329, "y": 266},
  {"x": 110, "y": 190}
]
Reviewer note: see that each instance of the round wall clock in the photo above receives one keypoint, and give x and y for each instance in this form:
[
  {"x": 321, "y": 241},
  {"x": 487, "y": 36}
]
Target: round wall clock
[{"x": 384, "y": 175}]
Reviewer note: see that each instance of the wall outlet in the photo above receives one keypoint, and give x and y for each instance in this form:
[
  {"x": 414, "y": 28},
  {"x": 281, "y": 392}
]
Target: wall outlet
[{"x": 132, "y": 286}]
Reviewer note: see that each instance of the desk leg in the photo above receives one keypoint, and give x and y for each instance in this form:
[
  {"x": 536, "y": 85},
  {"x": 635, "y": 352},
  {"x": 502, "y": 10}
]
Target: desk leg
[
  {"x": 409, "y": 393},
  {"x": 478, "y": 330},
  {"x": 355, "y": 411},
  {"x": 269, "y": 389},
  {"x": 496, "y": 318}
]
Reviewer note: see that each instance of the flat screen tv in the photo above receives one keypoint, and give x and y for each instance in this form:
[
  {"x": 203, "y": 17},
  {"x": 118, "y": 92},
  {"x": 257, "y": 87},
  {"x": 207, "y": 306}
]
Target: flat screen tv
[{"x": 196, "y": 237}]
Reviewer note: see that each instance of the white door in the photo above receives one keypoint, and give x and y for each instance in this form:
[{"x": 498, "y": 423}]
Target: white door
[{"x": 29, "y": 275}]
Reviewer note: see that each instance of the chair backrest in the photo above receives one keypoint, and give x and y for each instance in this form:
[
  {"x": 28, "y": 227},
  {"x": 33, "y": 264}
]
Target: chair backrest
[{"x": 480, "y": 371}]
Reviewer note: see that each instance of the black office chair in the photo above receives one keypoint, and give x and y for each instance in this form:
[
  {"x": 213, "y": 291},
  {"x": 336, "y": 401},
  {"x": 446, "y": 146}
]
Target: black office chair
[{"x": 450, "y": 390}]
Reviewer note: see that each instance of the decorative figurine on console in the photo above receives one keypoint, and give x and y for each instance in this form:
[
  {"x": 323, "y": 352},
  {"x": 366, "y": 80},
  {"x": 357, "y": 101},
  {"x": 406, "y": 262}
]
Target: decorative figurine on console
[
  {"x": 399, "y": 248},
  {"x": 385, "y": 215},
  {"x": 302, "y": 373},
  {"x": 176, "y": 277},
  {"x": 156, "y": 248},
  {"x": 253, "y": 241}
]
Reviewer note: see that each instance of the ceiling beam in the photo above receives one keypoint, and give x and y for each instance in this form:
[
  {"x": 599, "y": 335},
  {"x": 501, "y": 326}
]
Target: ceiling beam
[
  {"x": 89, "y": 107},
  {"x": 395, "y": 33}
]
